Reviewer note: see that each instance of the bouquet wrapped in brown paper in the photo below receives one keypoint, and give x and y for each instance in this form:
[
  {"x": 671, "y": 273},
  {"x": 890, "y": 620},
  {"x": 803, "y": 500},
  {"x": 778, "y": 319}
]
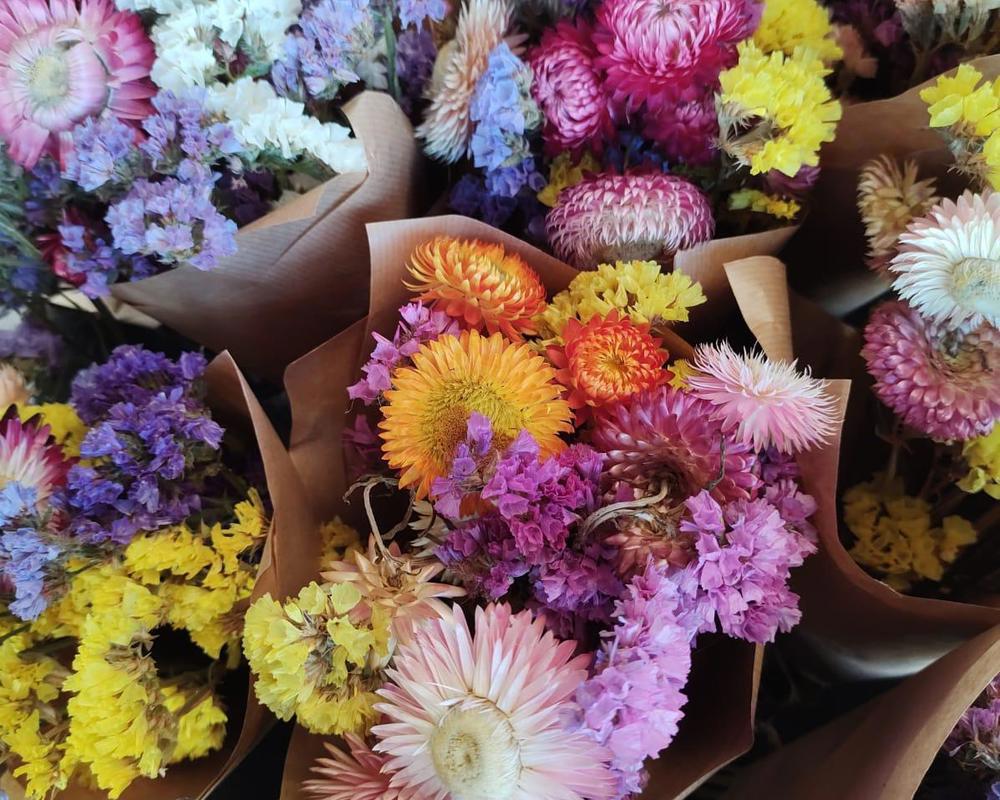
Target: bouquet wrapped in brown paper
[
  {"x": 122, "y": 655},
  {"x": 717, "y": 724}
]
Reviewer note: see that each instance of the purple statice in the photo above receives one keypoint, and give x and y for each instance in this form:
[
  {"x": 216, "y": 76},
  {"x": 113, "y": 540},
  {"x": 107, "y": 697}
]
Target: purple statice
[
  {"x": 104, "y": 151},
  {"x": 580, "y": 583},
  {"x": 632, "y": 703},
  {"x": 93, "y": 265},
  {"x": 738, "y": 580},
  {"x": 509, "y": 181},
  {"x": 482, "y": 554},
  {"x": 247, "y": 195},
  {"x": 414, "y": 12},
  {"x": 25, "y": 551},
  {"x": 415, "y": 55},
  {"x": 975, "y": 740},
  {"x": 468, "y": 467},
  {"x": 145, "y": 466},
  {"x": 470, "y": 198},
  {"x": 418, "y": 324},
  {"x": 779, "y": 475},
  {"x": 173, "y": 221},
  {"x": 45, "y": 193},
  {"x": 30, "y": 340},
  {"x": 362, "y": 448},
  {"x": 182, "y": 133},
  {"x": 132, "y": 374}
]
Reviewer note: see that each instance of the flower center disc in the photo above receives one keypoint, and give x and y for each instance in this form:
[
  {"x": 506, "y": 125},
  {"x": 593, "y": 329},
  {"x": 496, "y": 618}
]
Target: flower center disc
[
  {"x": 48, "y": 78},
  {"x": 977, "y": 285},
  {"x": 476, "y": 753}
]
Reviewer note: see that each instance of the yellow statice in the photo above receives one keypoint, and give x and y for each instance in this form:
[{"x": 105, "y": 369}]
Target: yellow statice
[
  {"x": 339, "y": 539},
  {"x": 787, "y": 25},
  {"x": 680, "y": 370},
  {"x": 201, "y": 729},
  {"x": 895, "y": 535},
  {"x": 563, "y": 173},
  {"x": 318, "y": 656},
  {"x": 983, "y": 458},
  {"x": 762, "y": 203},
  {"x": 67, "y": 428},
  {"x": 776, "y": 110},
  {"x": 100, "y": 586},
  {"x": 637, "y": 289}
]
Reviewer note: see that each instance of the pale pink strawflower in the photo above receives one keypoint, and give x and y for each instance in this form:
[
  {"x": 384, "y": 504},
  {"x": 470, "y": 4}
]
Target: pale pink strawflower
[
  {"x": 356, "y": 775},
  {"x": 62, "y": 61},
  {"x": 447, "y": 126},
  {"x": 13, "y": 390},
  {"x": 30, "y": 456},
  {"x": 569, "y": 91},
  {"x": 948, "y": 264},
  {"x": 483, "y": 715},
  {"x": 655, "y": 52},
  {"x": 763, "y": 403},
  {"x": 940, "y": 381},
  {"x": 609, "y": 218}
]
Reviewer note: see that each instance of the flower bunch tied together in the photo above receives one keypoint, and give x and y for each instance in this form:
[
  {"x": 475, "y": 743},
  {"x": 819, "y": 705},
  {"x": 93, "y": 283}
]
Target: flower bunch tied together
[
  {"x": 123, "y": 521},
  {"x": 593, "y": 503}
]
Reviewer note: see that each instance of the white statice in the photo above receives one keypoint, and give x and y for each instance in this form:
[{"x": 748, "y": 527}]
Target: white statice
[
  {"x": 159, "y": 6},
  {"x": 262, "y": 121},
  {"x": 184, "y": 53}
]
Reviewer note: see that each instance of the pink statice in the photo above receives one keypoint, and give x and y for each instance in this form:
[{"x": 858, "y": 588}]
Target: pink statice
[
  {"x": 569, "y": 90},
  {"x": 418, "y": 324},
  {"x": 362, "y": 448},
  {"x": 686, "y": 131},
  {"x": 975, "y": 739},
  {"x": 632, "y": 704},
  {"x": 738, "y": 581},
  {"x": 780, "y": 475},
  {"x": 580, "y": 583},
  {"x": 467, "y": 474}
]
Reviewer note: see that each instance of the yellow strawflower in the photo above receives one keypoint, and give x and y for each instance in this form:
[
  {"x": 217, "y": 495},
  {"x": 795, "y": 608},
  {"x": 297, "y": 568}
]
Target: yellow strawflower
[
  {"x": 776, "y": 110},
  {"x": 983, "y": 457},
  {"x": 790, "y": 24},
  {"x": 563, "y": 173},
  {"x": 896, "y": 537},
  {"x": 682, "y": 370},
  {"x": 762, "y": 203},
  {"x": 67, "y": 428}
]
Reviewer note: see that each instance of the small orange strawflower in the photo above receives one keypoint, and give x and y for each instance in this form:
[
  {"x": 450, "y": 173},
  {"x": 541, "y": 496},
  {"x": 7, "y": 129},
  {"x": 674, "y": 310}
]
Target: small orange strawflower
[
  {"x": 605, "y": 360},
  {"x": 427, "y": 411},
  {"x": 479, "y": 283}
]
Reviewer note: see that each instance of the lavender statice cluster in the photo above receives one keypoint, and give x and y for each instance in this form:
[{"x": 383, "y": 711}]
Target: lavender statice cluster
[
  {"x": 30, "y": 340},
  {"x": 147, "y": 456},
  {"x": 415, "y": 56},
  {"x": 975, "y": 740},
  {"x": 413, "y": 13},
  {"x": 183, "y": 138},
  {"x": 104, "y": 152},
  {"x": 93, "y": 264},
  {"x": 27, "y": 551}
]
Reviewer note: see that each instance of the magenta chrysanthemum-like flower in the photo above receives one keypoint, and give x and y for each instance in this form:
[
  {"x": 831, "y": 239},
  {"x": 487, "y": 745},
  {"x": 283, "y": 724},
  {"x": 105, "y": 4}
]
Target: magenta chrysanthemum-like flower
[
  {"x": 669, "y": 437},
  {"x": 63, "y": 61},
  {"x": 352, "y": 776},
  {"x": 609, "y": 218},
  {"x": 569, "y": 90},
  {"x": 940, "y": 381},
  {"x": 29, "y": 456},
  {"x": 482, "y": 715},
  {"x": 763, "y": 403},
  {"x": 686, "y": 131},
  {"x": 656, "y": 52}
]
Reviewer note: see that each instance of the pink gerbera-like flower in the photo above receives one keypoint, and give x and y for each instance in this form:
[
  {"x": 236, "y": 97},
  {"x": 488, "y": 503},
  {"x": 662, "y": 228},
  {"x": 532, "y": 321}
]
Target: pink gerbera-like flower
[
  {"x": 353, "y": 776},
  {"x": 941, "y": 381},
  {"x": 62, "y": 61},
  {"x": 29, "y": 455},
  {"x": 609, "y": 218},
  {"x": 686, "y": 131},
  {"x": 667, "y": 438},
  {"x": 569, "y": 91},
  {"x": 763, "y": 403},
  {"x": 483, "y": 715},
  {"x": 656, "y": 52}
]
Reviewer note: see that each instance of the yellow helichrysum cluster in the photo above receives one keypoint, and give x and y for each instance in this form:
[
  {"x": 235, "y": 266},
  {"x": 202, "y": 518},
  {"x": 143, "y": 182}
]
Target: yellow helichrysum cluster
[
  {"x": 969, "y": 108},
  {"x": 763, "y": 203},
  {"x": 983, "y": 458},
  {"x": 776, "y": 110},
  {"x": 563, "y": 173},
  {"x": 787, "y": 25},
  {"x": 896, "y": 537},
  {"x": 637, "y": 289},
  {"x": 318, "y": 656}
]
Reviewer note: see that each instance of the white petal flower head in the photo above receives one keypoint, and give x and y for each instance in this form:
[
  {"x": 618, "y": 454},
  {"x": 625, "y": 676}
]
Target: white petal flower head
[
  {"x": 184, "y": 54},
  {"x": 948, "y": 265}
]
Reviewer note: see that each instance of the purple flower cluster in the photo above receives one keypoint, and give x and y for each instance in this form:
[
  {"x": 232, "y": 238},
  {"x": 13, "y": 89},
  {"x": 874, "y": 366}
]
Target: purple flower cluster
[
  {"x": 745, "y": 553},
  {"x": 93, "y": 264},
  {"x": 975, "y": 739},
  {"x": 362, "y": 448},
  {"x": 632, "y": 704},
  {"x": 134, "y": 375},
  {"x": 182, "y": 137},
  {"x": 104, "y": 151},
  {"x": 32, "y": 341},
  {"x": 502, "y": 111},
  {"x": 414, "y": 12},
  {"x": 418, "y": 324},
  {"x": 25, "y": 552},
  {"x": 173, "y": 221},
  {"x": 415, "y": 55}
]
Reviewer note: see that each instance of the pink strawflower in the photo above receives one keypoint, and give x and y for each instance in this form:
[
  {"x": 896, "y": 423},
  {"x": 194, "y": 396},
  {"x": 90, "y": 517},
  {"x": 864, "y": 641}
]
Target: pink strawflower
[
  {"x": 609, "y": 218},
  {"x": 633, "y": 702},
  {"x": 738, "y": 582},
  {"x": 352, "y": 776},
  {"x": 667, "y": 437},
  {"x": 482, "y": 715},
  {"x": 569, "y": 91},
  {"x": 686, "y": 131},
  {"x": 30, "y": 456},
  {"x": 62, "y": 61},
  {"x": 657, "y": 53},
  {"x": 942, "y": 382},
  {"x": 763, "y": 403}
]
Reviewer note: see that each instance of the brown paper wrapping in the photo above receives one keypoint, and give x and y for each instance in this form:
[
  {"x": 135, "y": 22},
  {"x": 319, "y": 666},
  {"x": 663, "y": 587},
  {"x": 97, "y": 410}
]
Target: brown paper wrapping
[
  {"x": 718, "y": 725},
  {"x": 882, "y": 750},
  {"x": 293, "y": 530},
  {"x": 301, "y": 273},
  {"x": 827, "y": 256}
]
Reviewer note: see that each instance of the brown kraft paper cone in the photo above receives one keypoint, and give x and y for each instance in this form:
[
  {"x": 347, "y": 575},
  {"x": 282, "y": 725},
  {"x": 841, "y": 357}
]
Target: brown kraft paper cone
[
  {"x": 882, "y": 750},
  {"x": 293, "y": 529},
  {"x": 827, "y": 255},
  {"x": 718, "y": 724},
  {"x": 301, "y": 272}
]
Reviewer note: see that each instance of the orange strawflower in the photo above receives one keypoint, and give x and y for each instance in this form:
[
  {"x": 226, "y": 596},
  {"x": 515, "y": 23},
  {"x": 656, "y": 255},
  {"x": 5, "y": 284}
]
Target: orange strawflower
[{"x": 479, "y": 283}]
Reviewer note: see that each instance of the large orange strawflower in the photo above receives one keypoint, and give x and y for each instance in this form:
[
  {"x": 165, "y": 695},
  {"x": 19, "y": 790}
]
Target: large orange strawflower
[
  {"x": 427, "y": 411},
  {"x": 480, "y": 283},
  {"x": 605, "y": 360}
]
